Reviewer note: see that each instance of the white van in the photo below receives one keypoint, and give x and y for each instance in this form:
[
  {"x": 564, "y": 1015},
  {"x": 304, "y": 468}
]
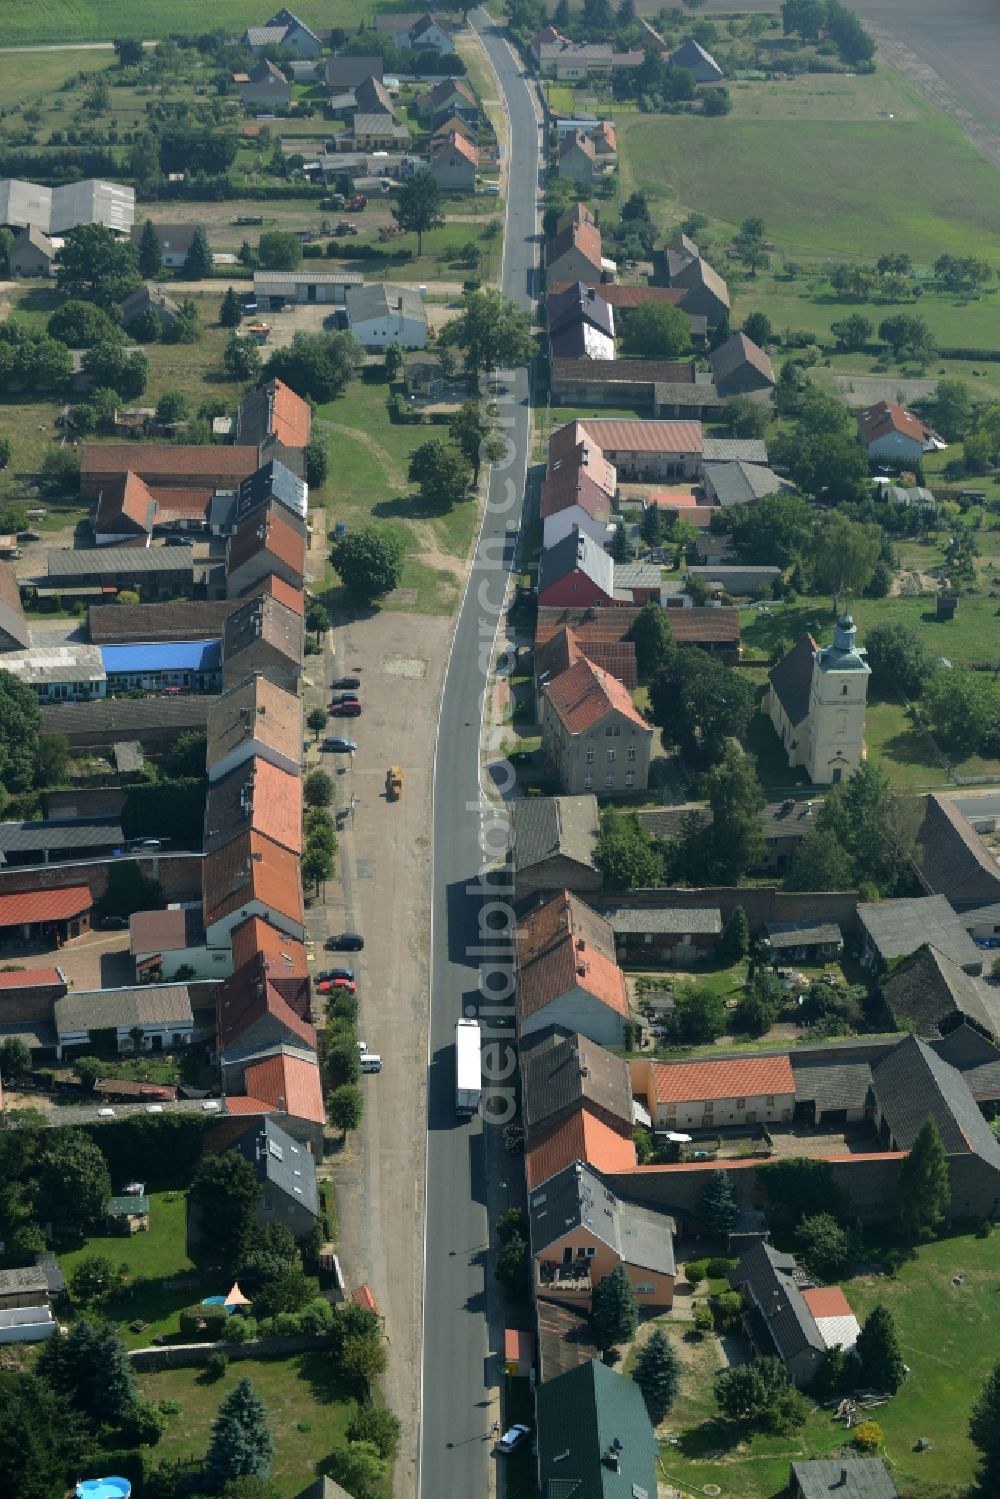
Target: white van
[{"x": 371, "y": 1062}]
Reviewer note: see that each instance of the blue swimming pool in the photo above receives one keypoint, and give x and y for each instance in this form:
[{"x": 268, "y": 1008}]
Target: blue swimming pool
[
  {"x": 213, "y": 1301},
  {"x": 104, "y": 1488}
]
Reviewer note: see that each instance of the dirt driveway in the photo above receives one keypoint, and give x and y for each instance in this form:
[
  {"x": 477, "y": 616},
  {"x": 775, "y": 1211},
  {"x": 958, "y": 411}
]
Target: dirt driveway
[
  {"x": 383, "y": 891},
  {"x": 94, "y": 961}
]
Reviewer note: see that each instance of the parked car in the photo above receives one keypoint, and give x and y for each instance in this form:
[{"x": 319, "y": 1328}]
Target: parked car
[
  {"x": 339, "y": 746},
  {"x": 180, "y": 541},
  {"x": 345, "y": 942},
  {"x": 513, "y": 1437},
  {"x": 329, "y": 986},
  {"x": 340, "y": 699},
  {"x": 357, "y": 203},
  {"x": 350, "y": 709},
  {"x": 345, "y": 682},
  {"x": 112, "y": 923},
  {"x": 334, "y": 973}
]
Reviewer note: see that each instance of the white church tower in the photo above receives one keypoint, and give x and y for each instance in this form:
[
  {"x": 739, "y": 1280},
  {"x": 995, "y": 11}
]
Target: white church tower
[{"x": 837, "y": 699}]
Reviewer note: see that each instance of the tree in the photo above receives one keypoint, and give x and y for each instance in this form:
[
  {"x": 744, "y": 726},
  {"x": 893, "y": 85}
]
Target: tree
[
  {"x": 749, "y": 245},
  {"x": 318, "y": 366},
  {"x": 952, "y": 409},
  {"x": 513, "y": 1268},
  {"x": 657, "y": 330},
  {"x": 317, "y": 619},
  {"x": 819, "y": 863},
  {"x": 230, "y": 310},
  {"x": 771, "y": 532},
  {"x": 699, "y": 1015},
  {"x": 757, "y": 326},
  {"x": 736, "y": 799},
  {"x": 42, "y": 1440},
  {"x": 760, "y": 1394},
  {"x": 110, "y": 365},
  {"x": 964, "y": 709},
  {"x": 908, "y": 337},
  {"x": 651, "y": 526},
  {"x": 241, "y": 358},
  {"x": 443, "y": 473},
  {"x": 73, "y": 1184},
  {"x": 758, "y": 1006},
  {"x": 149, "y": 254},
  {"x": 876, "y": 828},
  {"x": 279, "y": 250},
  {"x": 824, "y": 1245},
  {"x": 898, "y": 657},
  {"x": 317, "y": 463},
  {"x": 113, "y": 1392},
  {"x": 241, "y": 1439},
  {"x": 345, "y": 1108},
  {"x": 369, "y": 561},
  {"x": 473, "y": 431},
  {"x": 924, "y": 1184},
  {"x": 15, "y": 1058},
  {"x": 363, "y": 1358},
  {"x": 701, "y": 704},
  {"x": 734, "y": 944},
  {"x": 718, "y": 1206},
  {"x": 984, "y": 1430},
  {"x": 830, "y": 464},
  {"x": 654, "y": 644},
  {"x": 359, "y": 1469},
  {"x": 657, "y": 1372},
  {"x": 93, "y": 1279},
  {"x": 198, "y": 260},
  {"x": 93, "y": 262},
  {"x": 877, "y": 1347},
  {"x": 841, "y": 555},
  {"x": 418, "y": 207},
  {"x": 129, "y": 54},
  {"x": 172, "y": 407},
  {"x": 493, "y": 332},
  {"x": 226, "y": 1193},
  {"x": 378, "y": 1425},
  {"x": 614, "y": 1309},
  {"x": 852, "y": 332},
  {"x": 805, "y": 18},
  {"x": 81, "y": 325},
  {"x": 187, "y": 754},
  {"x": 626, "y": 858},
  {"x": 317, "y": 789}
]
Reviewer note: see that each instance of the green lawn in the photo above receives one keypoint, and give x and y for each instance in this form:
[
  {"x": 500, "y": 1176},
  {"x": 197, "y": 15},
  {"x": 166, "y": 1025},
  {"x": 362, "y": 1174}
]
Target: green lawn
[
  {"x": 100, "y": 20},
  {"x": 970, "y": 636},
  {"x": 152, "y": 1258},
  {"x": 309, "y": 1408},
  {"x": 828, "y": 176}
]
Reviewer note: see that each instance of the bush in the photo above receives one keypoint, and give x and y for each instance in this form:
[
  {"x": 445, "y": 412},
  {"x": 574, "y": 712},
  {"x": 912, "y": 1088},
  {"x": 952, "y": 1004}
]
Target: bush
[
  {"x": 695, "y": 1270},
  {"x": 216, "y": 1365},
  {"x": 203, "y": 1324},
  {"x": 868, "y": 1437},
  {"x": 702, "y": 1317},
  {"x": 240, "y": 1329},
  {"x": 718, "y": 1268}
]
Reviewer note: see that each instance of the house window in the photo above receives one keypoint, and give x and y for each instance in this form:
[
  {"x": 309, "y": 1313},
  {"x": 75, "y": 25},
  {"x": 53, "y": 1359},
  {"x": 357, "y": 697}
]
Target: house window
[
  {"x": 609, "y": 779},
  {"x": 645, "y": 1288},
  {"x": 614, "y": 732},
  {"x": 612, "y": 754},
  {"x": 631, "y": 752},
  {"x": 843, "y": 690},
  {"x": 770, "y": 1100},
  {"x": 588, "y": 783},
  {"x": 630, "y": 778},
  {"x": 591, "y": 1251},
  {"x": 591, "y": 752},
  {"x": 741, "y": 1103}
]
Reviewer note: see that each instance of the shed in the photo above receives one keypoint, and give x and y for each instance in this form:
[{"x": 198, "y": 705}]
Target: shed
[
  {"x": 518, "y": 1352},
  {"x": 805, "y": 941}
]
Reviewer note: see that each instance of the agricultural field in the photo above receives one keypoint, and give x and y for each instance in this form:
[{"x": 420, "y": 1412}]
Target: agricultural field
[
  {"x": 309, "y": 1406},
  {"x": 100, "y": 20},
  {"x": 828, "y": 168}
]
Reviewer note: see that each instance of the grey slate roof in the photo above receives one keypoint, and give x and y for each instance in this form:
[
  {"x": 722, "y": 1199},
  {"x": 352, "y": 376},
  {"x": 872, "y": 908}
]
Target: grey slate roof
[
  {"x": 769, "y": 1277},
  {"x": 281, "y": 1162},
  {"x": 581, "y": 1414},
  {"x": 141, "y": 1004},
  {"x": 950, "y": 856},
  {"x": 912, "y": 1083},
  {"x": 931, "y": 993},
  {"x": 62, "y": 562},
  {"x": 797, "y": 933},
  {"x": 64, "y": 833},
  {"x": 579, "y": 301},
  {"x": 734, "y": 450},
  {"x": 273, "y": 481},
  {"x": 577, "y": 551},
  {"x": 832, "y": 1084},
  {"x": 791, "y": 679},
  {"x": 546, "y": 827},
  {"x": 779, "y": 820},
  {"x": 740, "y": 483},
  {"x": 844, "y": 1478},
  {"x": 564, "y": 1339},
  {"x": 899, "y": 927},
  {"x": 701, "y": 921},
  {"x": 125, "y": 717},
  {"x": 323, "y": 1488},
  {"x": 382, "y": 300},
  {"x": 558, "y": 1071},
  {"x": 577, "y": 1197}
]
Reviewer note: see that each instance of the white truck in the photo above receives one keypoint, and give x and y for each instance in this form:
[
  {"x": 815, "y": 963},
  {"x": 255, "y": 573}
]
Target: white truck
[{"x": 468, "y": 1067}]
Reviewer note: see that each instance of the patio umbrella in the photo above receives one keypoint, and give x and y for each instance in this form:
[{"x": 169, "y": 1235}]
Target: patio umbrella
[{"x": 236, "y": 1297}]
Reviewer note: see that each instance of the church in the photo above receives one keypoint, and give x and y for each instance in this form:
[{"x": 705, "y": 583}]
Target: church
[{"x": 816, "y": 701}]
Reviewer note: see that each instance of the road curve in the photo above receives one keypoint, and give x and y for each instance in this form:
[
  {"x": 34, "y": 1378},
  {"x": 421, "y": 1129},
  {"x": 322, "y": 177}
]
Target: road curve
[{"x": 458, "y": 1375}]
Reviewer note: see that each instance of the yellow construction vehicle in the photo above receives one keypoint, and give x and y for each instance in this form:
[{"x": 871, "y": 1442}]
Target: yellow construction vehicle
[{"x": 394, "y": 783}]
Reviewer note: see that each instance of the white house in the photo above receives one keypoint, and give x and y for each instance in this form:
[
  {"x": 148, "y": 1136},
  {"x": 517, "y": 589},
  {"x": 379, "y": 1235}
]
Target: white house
[
  {"x": 572, "y": 501},
  {"x": 160, "y": 1014},
  {"x": 382, "y": 314},
  {"x": 888, "y": 431},
  {"x": 26, "y": 1324},
  {"x": 816, "y": 702}
]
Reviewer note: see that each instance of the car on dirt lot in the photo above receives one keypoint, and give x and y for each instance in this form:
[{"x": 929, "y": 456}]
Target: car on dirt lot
[
  {"x": 345, "y": 942},
  {"x": 334, "y": 973},
  {"x": 339, "y": 746},
  {"x": 345, "y": 682},
  {"x": 350, "y": 709}
]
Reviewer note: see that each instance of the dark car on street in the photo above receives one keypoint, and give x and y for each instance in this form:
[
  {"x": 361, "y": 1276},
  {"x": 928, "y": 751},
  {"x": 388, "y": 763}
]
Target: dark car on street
[
  {"x": 345, "y": 942},
  {"x": 346, "y": 710},
  {"x": 345, "y": 682}
]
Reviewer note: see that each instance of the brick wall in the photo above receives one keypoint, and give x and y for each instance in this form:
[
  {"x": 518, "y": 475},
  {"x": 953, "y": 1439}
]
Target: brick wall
[
  {"x": 179, "y": 876},
  {"x": 93, "y": 801}
]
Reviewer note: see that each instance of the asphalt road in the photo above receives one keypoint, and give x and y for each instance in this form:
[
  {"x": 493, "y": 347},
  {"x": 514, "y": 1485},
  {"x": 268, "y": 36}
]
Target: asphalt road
[{"x": 458, "y": 1375}]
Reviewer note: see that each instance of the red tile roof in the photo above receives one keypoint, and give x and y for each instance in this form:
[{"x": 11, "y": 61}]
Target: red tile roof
[
  {"x": 258, "y": 936},
  {"x": 250, "y": 994},
  {"x": 581, "y": 1137},
  {"x": 238, "y": 1104},
  {"x": 126, "y": 499},
  {"x": 259, "y": 797},
  {"x": 180, "y": 504},
  {"x": 885, "y": 417},
  {"x": 456, "y": 142},
  {"x": 584, "y": 237},
  {"x": 289, "y": 1083},
  {"x": 363, "y": 1296},
  {"x": 32, "y": 978},
  {"x": 30, "y": 906},
  {"x": 271, "y": 534},
  {"x": 827, "y": 1301},
  {"x": 292, "y": 598},
  {"x": 291, "y": 418},
  {"x": 628, "y": 435},
  {"x": 564, "y": 649},
  {"x": 628, "y": 297},
  {"x": 164, "y": 459},
  {"x": 252, "y": 868},
  {"x": 696, "y": 626},
  {"x": 605, "y": 133},
  {"x": 584, "y": 695},
  {"x": 554, "y": 943},
  {"x": 743, "y": 1077},
  {"x": 574, "y": 486}
]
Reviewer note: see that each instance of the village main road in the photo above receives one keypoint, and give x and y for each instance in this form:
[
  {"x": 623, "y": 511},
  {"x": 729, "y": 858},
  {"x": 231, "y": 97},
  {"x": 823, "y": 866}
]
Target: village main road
[{"x": 461, "y": 1369}]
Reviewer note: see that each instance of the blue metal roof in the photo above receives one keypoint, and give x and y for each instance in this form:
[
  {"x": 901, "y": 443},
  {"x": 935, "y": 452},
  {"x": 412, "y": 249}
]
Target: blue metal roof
[{"x": 167, "y": 655}]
